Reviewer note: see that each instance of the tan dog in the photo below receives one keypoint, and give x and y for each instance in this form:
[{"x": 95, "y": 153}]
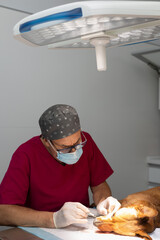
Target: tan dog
[{"x": 139, "y": 214}]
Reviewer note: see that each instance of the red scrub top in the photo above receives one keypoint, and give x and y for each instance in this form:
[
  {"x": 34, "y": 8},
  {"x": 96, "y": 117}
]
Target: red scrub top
[{"x": 35, "y": 179}]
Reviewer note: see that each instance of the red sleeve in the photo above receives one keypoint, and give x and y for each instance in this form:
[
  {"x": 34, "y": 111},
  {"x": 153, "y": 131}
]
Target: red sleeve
[
  {"x": 15, "y": 184},
  {"x": 100, "y": 169}
]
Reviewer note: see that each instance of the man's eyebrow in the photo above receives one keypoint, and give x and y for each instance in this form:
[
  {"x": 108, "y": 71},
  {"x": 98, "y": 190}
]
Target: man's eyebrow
[{"x": 67, "y": 146}]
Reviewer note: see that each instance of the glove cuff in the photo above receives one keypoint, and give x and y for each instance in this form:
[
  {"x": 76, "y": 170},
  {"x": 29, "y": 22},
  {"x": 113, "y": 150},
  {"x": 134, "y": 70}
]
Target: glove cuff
[{"x": 54, "y": 219}]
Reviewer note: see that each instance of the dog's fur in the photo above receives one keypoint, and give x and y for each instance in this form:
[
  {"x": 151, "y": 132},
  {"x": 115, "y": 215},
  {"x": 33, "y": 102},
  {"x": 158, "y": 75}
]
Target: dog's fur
[{"x": 139, "y": 214}]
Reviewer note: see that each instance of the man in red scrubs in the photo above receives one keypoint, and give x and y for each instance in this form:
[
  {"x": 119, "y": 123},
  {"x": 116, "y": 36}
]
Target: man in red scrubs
[{"x": 47, "y": 181}]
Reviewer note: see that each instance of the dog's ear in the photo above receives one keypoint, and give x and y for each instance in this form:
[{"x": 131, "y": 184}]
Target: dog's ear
[
  {"x": 145, "y": 211},
  {"x": 147, "y": 218}
]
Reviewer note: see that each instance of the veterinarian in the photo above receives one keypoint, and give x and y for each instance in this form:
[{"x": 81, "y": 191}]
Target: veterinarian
[{"x": 47, "y": 181}]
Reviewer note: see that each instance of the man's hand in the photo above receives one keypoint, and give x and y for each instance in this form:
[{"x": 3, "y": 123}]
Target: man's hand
[
  {"x": 108, "y": 206},
  {"x": 71, "y": 212}
]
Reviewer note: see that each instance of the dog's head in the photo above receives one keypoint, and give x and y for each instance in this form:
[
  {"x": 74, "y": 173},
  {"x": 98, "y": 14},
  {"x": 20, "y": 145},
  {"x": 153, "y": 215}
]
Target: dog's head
[{"x": 134, "y": 220}]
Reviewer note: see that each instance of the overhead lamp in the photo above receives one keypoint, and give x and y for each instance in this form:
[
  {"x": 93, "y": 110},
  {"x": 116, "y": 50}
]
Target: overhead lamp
[{"x": 99, "y": 24}]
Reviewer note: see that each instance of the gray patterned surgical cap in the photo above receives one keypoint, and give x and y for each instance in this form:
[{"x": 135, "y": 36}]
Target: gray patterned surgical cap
[{"x": 59, "y": 121}]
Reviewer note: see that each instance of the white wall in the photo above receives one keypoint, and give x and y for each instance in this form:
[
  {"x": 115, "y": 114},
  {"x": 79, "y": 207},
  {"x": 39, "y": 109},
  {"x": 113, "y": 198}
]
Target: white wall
[{"x": 118, "y": 107}]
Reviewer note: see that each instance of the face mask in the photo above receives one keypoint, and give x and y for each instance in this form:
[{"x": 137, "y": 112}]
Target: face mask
[{"x": 69, "y": 158}]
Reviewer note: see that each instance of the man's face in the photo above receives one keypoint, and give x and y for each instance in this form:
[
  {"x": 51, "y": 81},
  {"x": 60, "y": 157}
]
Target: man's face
[
  {"x": 67, "y": 142},
  {"x": 63, "y": 143}
]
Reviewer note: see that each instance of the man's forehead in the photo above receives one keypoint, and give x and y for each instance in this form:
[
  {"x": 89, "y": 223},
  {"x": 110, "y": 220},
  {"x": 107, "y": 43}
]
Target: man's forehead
[{"x": 69, "y": 140}]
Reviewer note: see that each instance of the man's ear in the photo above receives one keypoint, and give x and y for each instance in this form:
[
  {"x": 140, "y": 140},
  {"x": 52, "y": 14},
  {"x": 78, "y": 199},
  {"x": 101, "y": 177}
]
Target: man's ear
[
  {"x": 146, "y": 211},
  {"x": 45, "y": 142}
]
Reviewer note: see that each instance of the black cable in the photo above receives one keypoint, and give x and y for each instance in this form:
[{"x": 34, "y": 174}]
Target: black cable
[{"x": 14, "y": 9}]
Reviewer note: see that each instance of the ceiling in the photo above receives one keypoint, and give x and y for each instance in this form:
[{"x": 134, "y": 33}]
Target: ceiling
[{"x": 32, "y": 6}]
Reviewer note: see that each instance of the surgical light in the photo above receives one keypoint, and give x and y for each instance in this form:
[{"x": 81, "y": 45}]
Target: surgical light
[{"x": 99, "y": 24}]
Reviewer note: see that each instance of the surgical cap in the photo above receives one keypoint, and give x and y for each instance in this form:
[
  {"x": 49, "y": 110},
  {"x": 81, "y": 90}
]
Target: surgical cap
[{"x": 59, "y": 121}]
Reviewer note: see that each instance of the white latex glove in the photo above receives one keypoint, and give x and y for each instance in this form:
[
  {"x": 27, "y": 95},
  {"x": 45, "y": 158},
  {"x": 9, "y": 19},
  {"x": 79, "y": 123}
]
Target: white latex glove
[
  {"x": 71, "y": 212},
  {"x": 108, "y": 206}
]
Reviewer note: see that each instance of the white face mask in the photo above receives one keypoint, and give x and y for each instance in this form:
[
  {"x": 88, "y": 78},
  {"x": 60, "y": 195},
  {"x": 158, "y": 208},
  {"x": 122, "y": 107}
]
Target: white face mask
[{"x": 68, "y": 158}]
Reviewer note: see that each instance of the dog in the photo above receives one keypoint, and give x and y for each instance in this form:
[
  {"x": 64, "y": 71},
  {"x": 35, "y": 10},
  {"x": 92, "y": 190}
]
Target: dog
[{"x": 138, "y": 215}]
